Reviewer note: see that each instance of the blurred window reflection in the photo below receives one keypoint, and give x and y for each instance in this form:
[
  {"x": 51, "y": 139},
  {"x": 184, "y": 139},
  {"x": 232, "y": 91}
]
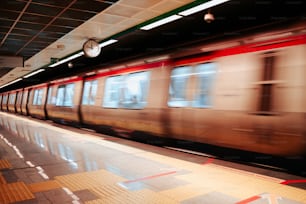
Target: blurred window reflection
[
  {"x": 19, "y": 97},
  {"x": 205, "y": 74},
  {"x": 25, "y": 97},
  {"x": 128, "y": 91},
  {"x": 178, "y": 86},
  {"x": 181, "y": 78},
  {"x": 90, "y": 164},
  {"x": 67, "y": 154},
  {"x": 39, "y": 139},
  {"x": 12, "y": 98},
  {"x": 38, "y": 96},
  {"x": 112, "y": 92},
  {"x": 89, "y": 93},
  {"x": 4, "y": 100},
  {"x": 49, "y": 101},
  {"x": 64, "y": 95}
]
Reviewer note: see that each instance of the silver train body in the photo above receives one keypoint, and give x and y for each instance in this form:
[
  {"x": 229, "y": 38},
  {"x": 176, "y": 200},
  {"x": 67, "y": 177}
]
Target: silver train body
[{"x": 248, "y": 96}]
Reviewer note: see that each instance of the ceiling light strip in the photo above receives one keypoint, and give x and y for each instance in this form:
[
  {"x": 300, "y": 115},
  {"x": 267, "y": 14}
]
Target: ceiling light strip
[
  {"x": 33, "y": 73},
  {"x": 161, "y": 22},
  {"x": 104, "y": 44},
  {"x": 202, "y": 7},
  {"x": 67, "y": 59},
  {"x": 12, "y": 82}
]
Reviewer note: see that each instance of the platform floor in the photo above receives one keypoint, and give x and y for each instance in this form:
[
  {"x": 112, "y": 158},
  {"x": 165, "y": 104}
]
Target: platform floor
[{"x": 42, "y": 163}]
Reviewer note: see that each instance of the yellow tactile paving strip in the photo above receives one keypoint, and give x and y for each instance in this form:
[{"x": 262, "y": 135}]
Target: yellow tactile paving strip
[
  {"x": 4, "y": 164},
  {"x": 142, "y": 196},
  {"x": 185, "y": 192},
  {"x": 105, "y": 186},
  {"x": 88, "y": 180},
  {"x": 14, "y": 192},
  {"x": 215, "y": 179},
  {"x": 44, "y": 186}
]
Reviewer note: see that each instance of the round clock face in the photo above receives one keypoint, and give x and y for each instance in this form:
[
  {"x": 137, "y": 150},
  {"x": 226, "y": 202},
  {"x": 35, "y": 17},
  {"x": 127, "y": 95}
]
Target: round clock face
[{"x": 91, "y": 48}]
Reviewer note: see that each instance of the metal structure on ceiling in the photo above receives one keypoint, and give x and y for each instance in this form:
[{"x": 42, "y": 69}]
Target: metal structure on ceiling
[{"x": 40, "y": 30}]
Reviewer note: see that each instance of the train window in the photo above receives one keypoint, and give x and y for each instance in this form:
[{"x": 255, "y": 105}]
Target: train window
[
  {"x": 64, "y": 96},
  {"x": 38, "y": 96},
  {"x": 5, "y": 99},
  {"x": 128, "y": 91},
  {"x": 135, "y": 91},
  {"x": 50, "y": 101},
  {"x": 24, "y": 97},
  {"x": 205, "y": 76},
  {"x": 112, "y": 90},
  {"x": 12, "y": 98},
  {"x": 89, "y": 93},
  {"x": 178, "y": 86},
  {"x": 19, "y": 97},
  {"x": 60, "y": 96}
]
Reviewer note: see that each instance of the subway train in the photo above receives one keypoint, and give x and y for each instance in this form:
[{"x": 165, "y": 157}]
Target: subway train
[{"x": 247, "y": 93}]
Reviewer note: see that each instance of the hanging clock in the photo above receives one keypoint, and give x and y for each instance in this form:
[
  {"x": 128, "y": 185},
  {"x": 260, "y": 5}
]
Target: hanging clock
[{"x": 91, "y": 48}]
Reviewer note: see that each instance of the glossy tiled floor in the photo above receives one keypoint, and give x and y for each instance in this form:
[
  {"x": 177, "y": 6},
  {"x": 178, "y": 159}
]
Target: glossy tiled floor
[{"x": 42, "y": 163}]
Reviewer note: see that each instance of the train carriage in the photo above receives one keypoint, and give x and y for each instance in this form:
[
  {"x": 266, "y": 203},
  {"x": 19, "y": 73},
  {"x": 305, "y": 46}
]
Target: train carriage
[
  {"x": 11, "y": 105},
  {"x": 63, "y": 101},
  {"x": 253, "y": 103},
  {"x": 19, "y": 101},
  {"x": 4, "y": 101},
  {"x": 25, "y": 99},
  {"x": 119, "y": 99},
  {"x": 37, "y": 100}
]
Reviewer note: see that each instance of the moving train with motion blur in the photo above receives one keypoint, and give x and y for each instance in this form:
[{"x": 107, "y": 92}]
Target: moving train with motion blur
[{"x": 247, "y": 93}]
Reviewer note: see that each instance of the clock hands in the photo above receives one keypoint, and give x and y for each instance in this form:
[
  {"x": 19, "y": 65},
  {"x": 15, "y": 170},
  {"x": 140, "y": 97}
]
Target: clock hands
[{"x": 91, "y": 48}]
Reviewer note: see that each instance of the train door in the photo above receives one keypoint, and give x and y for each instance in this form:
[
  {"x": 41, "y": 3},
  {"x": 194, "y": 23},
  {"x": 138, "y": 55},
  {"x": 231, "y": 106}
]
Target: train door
[
  {"x": 12, "y": 101},
  {"x": 25, "y": 98},
  {"x": 190, "y": 95},
  {"x": 4, "y": 102},
  {"x": 19, "y": 101}
]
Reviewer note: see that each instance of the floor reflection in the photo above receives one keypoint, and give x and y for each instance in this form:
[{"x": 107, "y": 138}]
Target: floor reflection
[
  {"x": 79, "y": 152},
  {"x": 51, "y": 141}
]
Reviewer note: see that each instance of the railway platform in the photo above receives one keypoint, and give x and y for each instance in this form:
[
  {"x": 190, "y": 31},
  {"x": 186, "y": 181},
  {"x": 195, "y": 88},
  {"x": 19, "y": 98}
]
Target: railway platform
[{"x": 41, "y": 162}]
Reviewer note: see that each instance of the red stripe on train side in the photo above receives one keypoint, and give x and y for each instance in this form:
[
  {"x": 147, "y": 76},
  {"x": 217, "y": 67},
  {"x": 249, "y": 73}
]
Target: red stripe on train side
[
  {"x": 130, "y": 69},
  {"x": 66, "y": 81},
  {"x": 40, "y": 86},
  {"x": 253, "y": 47}
]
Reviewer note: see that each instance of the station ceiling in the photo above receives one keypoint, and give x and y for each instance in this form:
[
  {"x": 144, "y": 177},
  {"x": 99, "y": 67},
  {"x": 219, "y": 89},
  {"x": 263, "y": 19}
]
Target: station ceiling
[{"x": 40, "y": 31}]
